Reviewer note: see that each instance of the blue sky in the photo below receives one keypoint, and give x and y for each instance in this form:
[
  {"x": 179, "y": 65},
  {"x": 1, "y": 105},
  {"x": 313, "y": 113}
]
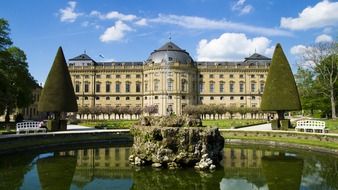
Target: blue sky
[{"x": 129, "y": 30}]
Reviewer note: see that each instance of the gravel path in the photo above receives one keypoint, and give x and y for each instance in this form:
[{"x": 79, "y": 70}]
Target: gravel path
[{"x": 261, "y": 127}]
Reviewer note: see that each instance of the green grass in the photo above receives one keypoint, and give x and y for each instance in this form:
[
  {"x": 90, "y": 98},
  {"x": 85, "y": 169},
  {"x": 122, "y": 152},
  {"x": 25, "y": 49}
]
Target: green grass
[
  {"x": 325, "y": 144},
  {"x": 231, "y": 123},
  {"x": 332, "y": 125},
  {"x": 110, "y": 124}
]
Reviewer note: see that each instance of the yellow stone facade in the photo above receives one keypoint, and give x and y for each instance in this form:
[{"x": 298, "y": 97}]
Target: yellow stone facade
[{"x": 169, "y": 79}]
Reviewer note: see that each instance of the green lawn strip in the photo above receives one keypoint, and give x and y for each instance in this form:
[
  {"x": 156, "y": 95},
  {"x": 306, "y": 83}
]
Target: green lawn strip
[
  {"x": 110, "y": 124},
  {"x": 231, "y": 123},
  {"x": 288, "y": 140}
]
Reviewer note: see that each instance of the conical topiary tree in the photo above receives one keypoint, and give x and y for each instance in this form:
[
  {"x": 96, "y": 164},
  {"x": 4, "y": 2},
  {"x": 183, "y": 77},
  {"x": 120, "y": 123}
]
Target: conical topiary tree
[
  {"x": 58, "y": 94},
  {"x": 280, "y": 91}
]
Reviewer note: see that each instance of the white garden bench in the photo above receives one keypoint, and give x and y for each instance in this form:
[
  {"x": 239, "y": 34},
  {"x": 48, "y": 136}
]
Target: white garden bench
[
  {"x": 27, "y": 126},
  {"x": 313, "y": 126}
]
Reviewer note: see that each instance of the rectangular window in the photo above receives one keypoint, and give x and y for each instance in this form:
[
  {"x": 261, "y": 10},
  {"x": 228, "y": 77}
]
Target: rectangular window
[
  {"x": 231, "y": 76},
  {"x": 221, "y": 76},
  {"x": 108, "y": 76},
  {"x": 118, "y": 76},
  {"x": 156, "y": 85},
  {"x": 107, "y": 87},
  {"x": 98, "y": 76},
  {"x": 261, "y": 76},
  {"x": 138, "y": 87},
  {"x": 127, "y": 76},
  {"x": 211, "y": 76},
  {"x": 212, "y": 87},
  {"x": 241, "y": 87},
  {"x": 231, "y": 87},
  {"x": 86, "y": 87},
  {"x": 253, "y": 87},
  {"x": 201, "y": 86},
  {"x": 138, "y": 76},
  {"x": 221, "y": 87},
  {"x": 127, "y": 87},
  {"x": 77, "y": 87},
  {"x": 117, "y": 87},
  {"x": 146, "y": 87},
  {"x": 241, "y": 76},
  {"x": 262, "y": 87},
  {"x": 252, "y": 76},
  {"x": 98, "y": 87}
]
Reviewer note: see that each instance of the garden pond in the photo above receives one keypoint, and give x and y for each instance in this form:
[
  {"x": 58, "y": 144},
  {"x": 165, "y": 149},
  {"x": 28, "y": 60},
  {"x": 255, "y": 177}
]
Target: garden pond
[{"x": 107, "y": 167}]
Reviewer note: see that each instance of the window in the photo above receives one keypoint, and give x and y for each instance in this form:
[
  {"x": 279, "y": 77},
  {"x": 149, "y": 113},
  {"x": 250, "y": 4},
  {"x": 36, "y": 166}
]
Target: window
[
  {"x": 77, "y": 87},
  {"x": 261, "y": 76},
  {"x": 184, "y": 85},
  {"x": 221, "y": 98},
  {"x": 77, "y": 98},
  {"x": 170, "y": 97},
  {"x": 117, "y": 98},
  {"x": 212, "y": 86},
  {"x": 231, "y": 86},
  {"x": 201, "y": 76},
  {"x": 107, "y": 86},
  {"x": 118, "y": 76},
  {"x": 201, "y": 98},
  {"x": 201, "y": 86},
  {"x": 241, "y": 87},
  {"x": 97, "y": 98},
  {"x": 86, "y": 97},
  {"x": 127, "y": 76},
  {"x": 127, "y": 98},
  {"x": 145, "y": 97},
  {"x": 107, "y": 98},
  {"x": 117, "y": 87},
  {"x": 128, "y": 84},
  {"x": 231, "y": 76},
  {"x": 253, "y": 97},
  {"x": 77, "y": 76},
  {"x": 262, "y": 86},
  {"x": 170, "y": 84},
  {"x": 252, "y": 76},
  {"x": 253, "y": 87},
  {"x": 98, "y": 76},
  {"x": 221, "y": 76},
  {"x": 138, "y": 76},
  {"x": 138, "y": 87},
  {"x": 86, "y": 76},
  {"x": 156, "y": 85},
  {"x": 241, "y": 76},
  {"x": 241, "y": 98},
  {"x": 221, "y": 86},
  {"x": 211, "y": 76},
  {"x": 231, "y": 98},
  {"x": 156, "y": 97},
  {"x": 146, "y": 86},
  {"x": 183, "y": 97},
  {"x": 108, "y": 76},
  {"x": 137, "y": 98},
  {"x": 98, "y": 87},
  {"x": 211, "y": 98},
  {"x": 146, "y": 75},
  {"x": 86, "y": 87}
]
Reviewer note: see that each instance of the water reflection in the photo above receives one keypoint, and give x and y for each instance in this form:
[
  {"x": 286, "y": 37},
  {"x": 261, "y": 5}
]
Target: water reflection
[{"x": 108, "y": 168}]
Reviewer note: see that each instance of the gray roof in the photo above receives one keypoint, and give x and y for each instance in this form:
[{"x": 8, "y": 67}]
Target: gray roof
[
  {"x": 257, "y": 56},
  {"x": 170, "y": 52},
  {"x": 119, "y": 63},
  {"x": 81, "y": 57}
]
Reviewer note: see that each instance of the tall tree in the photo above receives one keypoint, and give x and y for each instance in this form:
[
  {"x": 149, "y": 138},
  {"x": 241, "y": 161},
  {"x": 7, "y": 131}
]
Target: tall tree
[
  {"x": 322, "y": 59},
  {"x": 58, "y": 94},
  {"x": 280, "y": 93},
  {"x": 5, "y": 40}
]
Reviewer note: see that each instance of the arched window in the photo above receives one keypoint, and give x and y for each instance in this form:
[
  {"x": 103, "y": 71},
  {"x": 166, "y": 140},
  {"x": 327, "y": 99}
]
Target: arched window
[
  {"x": 77, "y": 86},
  {"x": 241, "y": 86},
  {"x": 128, "y": 84},
  {"x": 231, "y": 86},
  {"x": 184, "y": 85},
  {"x": 212, "y": 86},
  {"x": 170, "y": 84},
  {"x": 118, "y": 86},
  {"x": 253, "y": 86},
  {"x": 221, "y": 86},
  {"x": 156, "y": 85}
]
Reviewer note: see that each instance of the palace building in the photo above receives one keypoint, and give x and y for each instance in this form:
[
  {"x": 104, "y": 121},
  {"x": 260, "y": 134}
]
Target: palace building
[{"x": 169, "y": 79}]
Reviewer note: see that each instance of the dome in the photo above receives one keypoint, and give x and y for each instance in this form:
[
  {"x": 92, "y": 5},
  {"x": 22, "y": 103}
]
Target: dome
[{"x": 170, "y": 52}]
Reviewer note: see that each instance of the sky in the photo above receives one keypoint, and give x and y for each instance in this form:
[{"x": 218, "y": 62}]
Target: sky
[{"x": 129, "y": 30}]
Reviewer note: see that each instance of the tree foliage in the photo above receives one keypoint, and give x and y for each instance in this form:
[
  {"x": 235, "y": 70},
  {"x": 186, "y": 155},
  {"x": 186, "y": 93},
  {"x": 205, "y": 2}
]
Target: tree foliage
[{"x": 16, "y": 83}]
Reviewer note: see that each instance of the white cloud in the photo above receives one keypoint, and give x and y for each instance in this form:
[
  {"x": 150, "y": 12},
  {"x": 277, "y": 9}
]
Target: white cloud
[
  {"x": 113, "y": 15},
  {"x": 232, "y": 46},
  {"x": 322, "y": 14},
  {"x": 323, "y": 38},
  {"x": 298, "y": 50},
  {"x": 68, "y": 14},
  {"x": 194, "y": 22},
  {"x": 142, "y": 22},
  {"x": 116, "y": 32},
  {"x": 241, "y": 7}
]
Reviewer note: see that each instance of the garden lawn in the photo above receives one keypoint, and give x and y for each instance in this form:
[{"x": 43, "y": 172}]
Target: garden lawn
[
  {"x": 232, "y": 123},
  {"x": 109, "y": 124},
  {"x": 332, "y": 125}
]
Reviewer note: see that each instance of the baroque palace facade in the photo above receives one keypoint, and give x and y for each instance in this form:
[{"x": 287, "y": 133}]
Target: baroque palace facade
[{"x": 169, "y": 79}]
